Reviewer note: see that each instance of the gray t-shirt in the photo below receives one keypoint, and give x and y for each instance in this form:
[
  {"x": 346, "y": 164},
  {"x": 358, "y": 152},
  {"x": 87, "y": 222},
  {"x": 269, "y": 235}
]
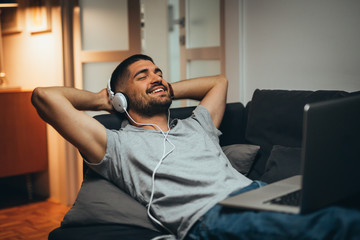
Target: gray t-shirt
[{"x": 191, "y": 179}]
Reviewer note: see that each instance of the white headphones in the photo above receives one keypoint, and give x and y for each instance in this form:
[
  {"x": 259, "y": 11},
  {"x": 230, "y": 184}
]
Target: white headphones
[{"x": 119, "y": 99}]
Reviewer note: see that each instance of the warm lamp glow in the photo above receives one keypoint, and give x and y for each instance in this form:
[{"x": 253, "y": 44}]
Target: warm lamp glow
[
  {"x": 39, "y": 19},
  {"x": 9, "y": 4}
]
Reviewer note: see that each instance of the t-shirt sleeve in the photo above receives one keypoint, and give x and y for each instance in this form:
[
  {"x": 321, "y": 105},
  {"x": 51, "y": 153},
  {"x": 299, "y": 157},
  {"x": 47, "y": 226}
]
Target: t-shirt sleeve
[
  {"x": 202, "y": 115},
  {"x": 111, "y": 161}
]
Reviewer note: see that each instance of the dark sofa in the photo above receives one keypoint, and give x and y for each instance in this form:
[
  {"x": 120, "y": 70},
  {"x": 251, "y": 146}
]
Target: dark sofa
[{"x": 262, "y": 140}]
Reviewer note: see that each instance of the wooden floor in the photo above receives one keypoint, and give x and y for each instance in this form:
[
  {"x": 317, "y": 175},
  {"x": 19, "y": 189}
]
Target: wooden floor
[{"x": 31, "y": 221}]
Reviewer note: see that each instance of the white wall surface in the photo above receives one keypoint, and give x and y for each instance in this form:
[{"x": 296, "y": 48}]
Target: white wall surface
[
  {"x": 300, "y": 44},
  {"x": 104, "y": 25},
  {"x": 155, "y": 33},
  {"x": 233, "y": 66}
]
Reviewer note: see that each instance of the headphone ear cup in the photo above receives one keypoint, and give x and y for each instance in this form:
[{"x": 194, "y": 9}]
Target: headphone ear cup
[{"x": 120, "y": 102}]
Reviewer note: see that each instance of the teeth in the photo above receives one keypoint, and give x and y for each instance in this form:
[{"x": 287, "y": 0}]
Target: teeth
[{"x": 157, "y": 90}]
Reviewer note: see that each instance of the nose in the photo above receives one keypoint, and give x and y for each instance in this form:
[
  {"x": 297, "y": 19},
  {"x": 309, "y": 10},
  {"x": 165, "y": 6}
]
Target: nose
[{"x": 155, "y": 78}]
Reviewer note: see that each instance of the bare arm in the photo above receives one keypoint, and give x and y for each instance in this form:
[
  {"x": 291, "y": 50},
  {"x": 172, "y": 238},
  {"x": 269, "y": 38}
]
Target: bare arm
[
  {"x": 210, "y": 91},
  {"x": 61, "y": 108}
]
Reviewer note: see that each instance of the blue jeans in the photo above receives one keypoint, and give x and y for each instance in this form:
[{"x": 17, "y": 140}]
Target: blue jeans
[{"x": 228, "y": 223}]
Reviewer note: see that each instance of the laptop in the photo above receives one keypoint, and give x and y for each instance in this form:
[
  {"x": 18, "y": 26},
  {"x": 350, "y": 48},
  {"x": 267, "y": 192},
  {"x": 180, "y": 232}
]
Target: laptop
[{"x": 330, "y": 163}]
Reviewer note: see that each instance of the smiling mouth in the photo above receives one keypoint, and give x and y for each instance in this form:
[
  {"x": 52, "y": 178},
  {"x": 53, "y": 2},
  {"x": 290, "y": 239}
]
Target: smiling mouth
[{"x": 156, "y": 89}]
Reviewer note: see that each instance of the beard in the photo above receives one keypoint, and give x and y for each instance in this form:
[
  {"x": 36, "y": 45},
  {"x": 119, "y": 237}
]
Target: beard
[{"x": 150, "y": 108}]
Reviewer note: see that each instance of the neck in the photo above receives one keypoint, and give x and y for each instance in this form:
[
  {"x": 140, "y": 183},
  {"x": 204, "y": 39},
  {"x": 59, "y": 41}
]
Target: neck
[{"x": 160, "y": 120}]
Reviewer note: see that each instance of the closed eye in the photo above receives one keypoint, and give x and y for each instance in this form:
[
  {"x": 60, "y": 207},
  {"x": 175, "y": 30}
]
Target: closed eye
[
  {"x": 159, "y": 72},
  {"x": 141, "y": 76}
]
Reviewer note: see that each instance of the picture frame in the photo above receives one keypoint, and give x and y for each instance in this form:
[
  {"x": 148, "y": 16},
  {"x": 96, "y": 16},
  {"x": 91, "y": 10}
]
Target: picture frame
[
  {"x": 39, "y": 16},
  {"x": 11, "y": 20}
]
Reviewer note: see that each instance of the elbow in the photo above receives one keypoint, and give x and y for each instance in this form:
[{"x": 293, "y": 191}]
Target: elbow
[
  {"x": 225, "y": 80},
  {"x": 36, "y": 97},
  {"x": 40, "y": 98},
  {"x": 222, "y": 80}
]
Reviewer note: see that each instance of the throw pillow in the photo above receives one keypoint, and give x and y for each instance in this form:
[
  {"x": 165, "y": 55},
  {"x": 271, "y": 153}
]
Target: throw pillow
[
  {"x": 241, "y": 156},
  {"x": 283, "y": 162},
  {"x": 101, "y": 202}
]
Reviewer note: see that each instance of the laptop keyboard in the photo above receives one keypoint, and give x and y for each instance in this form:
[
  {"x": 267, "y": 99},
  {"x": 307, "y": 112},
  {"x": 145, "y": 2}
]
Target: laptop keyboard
[{"x": 290, "y": 199}]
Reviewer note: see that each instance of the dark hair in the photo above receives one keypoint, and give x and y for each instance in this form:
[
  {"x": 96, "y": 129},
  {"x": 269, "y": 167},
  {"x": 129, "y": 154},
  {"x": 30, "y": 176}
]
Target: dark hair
[{"x": 121, "y": 72}]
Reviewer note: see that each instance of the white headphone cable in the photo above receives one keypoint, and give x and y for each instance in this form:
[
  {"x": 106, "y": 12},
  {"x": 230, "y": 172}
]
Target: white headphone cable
[{"x": 157, "y": 165}]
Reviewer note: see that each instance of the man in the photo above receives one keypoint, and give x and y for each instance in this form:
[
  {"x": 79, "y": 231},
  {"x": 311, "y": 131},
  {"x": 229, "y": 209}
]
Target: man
[{"x": 175, "y": 168}]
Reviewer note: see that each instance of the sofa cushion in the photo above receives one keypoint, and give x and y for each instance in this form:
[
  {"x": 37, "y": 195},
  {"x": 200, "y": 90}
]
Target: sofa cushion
[
  {"x": 101, "y": 202},
  {"x": 241, "y": 156},
  {"x": 283, "y": 162},
  {"x": 275, "y": 118},
  {"x": 233, "y": 124}
]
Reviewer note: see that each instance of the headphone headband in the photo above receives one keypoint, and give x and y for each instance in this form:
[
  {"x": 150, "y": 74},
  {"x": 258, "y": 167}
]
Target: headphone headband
[{"x": 110, "y": 92}]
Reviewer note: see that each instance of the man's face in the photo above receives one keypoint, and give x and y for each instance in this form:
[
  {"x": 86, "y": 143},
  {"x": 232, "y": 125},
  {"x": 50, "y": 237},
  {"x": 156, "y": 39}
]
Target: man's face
[{"x": 148, "y": 92}]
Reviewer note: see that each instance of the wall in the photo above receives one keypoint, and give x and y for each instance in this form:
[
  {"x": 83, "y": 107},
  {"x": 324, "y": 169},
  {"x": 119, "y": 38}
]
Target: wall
[
  {"x": 233, "y": 66},
  {"x": 33, "y": 60},
  {"x": 293, "y": 44},
  {"x": 155, "y": 33}
]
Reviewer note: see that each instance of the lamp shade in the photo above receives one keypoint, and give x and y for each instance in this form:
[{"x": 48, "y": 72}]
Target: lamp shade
[{"x": 8, "y": 3}]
